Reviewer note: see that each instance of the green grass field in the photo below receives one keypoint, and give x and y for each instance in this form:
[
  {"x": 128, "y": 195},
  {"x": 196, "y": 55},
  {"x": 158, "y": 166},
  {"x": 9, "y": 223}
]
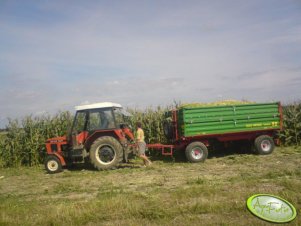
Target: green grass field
[{"x": 167, "y": 193}]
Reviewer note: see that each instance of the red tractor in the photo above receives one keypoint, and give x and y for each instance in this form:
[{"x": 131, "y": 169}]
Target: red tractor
[{"x": 98, "y": 134}]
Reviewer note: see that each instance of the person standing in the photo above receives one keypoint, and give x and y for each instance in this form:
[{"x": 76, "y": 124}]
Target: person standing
[{"x": 141, "y": 144}]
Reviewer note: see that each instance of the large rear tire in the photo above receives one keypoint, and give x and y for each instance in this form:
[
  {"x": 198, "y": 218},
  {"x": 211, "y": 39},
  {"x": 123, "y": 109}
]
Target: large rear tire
[
  {"x": 264, "y": 145},
  {"x": 196, "y": 152},
  {"x": 105, "y": 153}
]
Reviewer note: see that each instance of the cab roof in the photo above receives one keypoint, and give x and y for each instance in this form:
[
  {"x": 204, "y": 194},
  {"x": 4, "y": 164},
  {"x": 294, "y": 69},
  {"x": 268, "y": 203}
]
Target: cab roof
[{"x": 97, "y": 105}]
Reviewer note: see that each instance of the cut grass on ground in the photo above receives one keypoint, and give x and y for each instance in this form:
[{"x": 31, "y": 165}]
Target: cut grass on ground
[{"x": 167, "y": 193}]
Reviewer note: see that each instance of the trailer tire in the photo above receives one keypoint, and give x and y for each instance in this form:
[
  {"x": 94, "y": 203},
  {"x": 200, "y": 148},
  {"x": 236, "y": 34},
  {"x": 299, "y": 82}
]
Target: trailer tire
[
  {"x": 264, "y": 145},
  {"x": 105, "y": 153},
  {"x": 53, "y": 164},
  {"x": 196, "y": 152}
]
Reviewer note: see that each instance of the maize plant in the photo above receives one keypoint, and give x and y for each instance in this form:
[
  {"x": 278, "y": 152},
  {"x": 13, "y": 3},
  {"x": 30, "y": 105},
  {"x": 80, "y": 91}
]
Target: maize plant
[
  {"x": 24, "y": 140},
  {"x": 291, "y": 134},
  {"x": 152, "y": 123}
]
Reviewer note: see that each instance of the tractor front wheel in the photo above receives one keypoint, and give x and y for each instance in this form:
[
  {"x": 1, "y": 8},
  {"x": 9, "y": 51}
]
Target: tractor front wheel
[
  {"x": 196, "y": 152},
  {"x": 53, "y": 164},
  {"x": 105, "y": 153}
]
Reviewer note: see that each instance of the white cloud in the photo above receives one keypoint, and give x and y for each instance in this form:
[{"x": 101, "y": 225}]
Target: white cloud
[{"x": 148, "y": 54}]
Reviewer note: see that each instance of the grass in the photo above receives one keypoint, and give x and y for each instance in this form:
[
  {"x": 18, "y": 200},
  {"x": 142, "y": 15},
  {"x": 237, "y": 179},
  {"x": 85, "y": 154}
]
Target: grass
[{"x": 167, "y": 193}]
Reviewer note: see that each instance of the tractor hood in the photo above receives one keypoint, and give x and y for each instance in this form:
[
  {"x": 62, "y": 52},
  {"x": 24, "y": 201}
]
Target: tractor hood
[{"x": 57, "y": 139}]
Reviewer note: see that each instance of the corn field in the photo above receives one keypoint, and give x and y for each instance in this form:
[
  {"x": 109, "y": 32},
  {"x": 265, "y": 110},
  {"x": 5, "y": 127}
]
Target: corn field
[
  {"x": 151, "y": 123},
  {"x": 23, "y": 142},
  {"x": 291, "y": 134}
]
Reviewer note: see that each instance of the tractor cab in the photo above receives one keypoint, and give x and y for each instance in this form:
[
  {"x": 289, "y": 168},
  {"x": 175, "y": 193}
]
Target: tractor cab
[
  {"x": 94, "y": 124},
  {"x": 103, "y": 118}
]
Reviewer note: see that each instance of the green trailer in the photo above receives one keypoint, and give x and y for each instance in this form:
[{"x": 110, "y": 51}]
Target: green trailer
[
  {"x": 228, "y": 119},
  {"x": 194, "y": 129}
]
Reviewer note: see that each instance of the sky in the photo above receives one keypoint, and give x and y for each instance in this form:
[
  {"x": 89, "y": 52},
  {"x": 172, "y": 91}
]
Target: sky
[{"x": 57, "y": 54}]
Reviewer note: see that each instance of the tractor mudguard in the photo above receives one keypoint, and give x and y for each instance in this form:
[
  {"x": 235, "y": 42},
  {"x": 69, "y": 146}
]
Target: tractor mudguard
[{"x": 62, "y": 160}]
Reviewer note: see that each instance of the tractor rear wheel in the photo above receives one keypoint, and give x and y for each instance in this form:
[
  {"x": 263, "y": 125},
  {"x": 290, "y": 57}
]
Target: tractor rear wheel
[
  {"x": 53, "y": 164},
  {"x": 264, "y": 145},
  {"x": 196, "y": 152},
  {"x": 105, "y": 153}
]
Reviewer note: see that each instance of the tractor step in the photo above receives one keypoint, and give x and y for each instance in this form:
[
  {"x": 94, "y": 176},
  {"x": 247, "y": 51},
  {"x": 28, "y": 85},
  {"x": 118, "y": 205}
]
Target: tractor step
[{"x": 77, "y": 153}]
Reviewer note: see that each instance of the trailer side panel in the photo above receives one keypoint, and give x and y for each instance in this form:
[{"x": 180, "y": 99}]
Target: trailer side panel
[{"x": 212, "y": 120}]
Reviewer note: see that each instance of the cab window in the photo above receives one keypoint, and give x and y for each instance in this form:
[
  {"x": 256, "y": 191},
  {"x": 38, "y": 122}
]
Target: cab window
[
  {"x": 101, "y": 119},
  {"x": 80, "y": 121}
]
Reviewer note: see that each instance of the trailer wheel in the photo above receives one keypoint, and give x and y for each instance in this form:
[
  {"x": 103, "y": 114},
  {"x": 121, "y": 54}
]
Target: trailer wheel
[
  {"x": 53, "y": 164},
  {"x": 264, "y": 145},
  {"x": 196, "y": 152},
  {"x": 105, "y": 153}
]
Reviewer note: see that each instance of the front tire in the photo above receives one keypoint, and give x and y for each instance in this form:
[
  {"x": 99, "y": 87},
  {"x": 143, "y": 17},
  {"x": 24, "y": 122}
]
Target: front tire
[
  {"x": 264, "y": 145},
  {"x": 53, "y": 164},
  {"x": 196, "y": 152},
  {"x": 105, "y": 153}
]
